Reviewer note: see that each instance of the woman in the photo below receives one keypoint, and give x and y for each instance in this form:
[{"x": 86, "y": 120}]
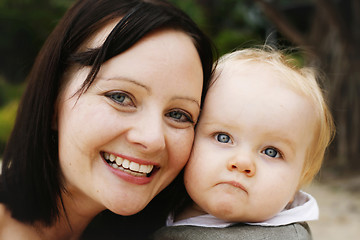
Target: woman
[{"x": 107, "y": 119}]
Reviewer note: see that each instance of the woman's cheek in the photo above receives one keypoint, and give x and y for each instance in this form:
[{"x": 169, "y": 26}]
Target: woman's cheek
[{"x": 181, "y": 148}]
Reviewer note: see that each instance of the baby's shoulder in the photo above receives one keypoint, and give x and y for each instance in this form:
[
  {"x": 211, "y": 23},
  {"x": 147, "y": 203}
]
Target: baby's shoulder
[{"x": 298, "y": 230}]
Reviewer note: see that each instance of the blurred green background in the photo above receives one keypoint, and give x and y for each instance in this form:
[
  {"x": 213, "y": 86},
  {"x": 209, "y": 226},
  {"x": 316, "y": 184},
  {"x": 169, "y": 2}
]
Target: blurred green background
[{"x": 327, "y": 31}]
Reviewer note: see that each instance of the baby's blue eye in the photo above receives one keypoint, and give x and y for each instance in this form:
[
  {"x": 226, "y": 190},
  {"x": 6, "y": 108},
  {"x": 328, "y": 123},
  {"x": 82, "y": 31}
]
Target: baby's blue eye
[
  {"x": 223, "y": 138},
  {"x": 271, "y": 152}
]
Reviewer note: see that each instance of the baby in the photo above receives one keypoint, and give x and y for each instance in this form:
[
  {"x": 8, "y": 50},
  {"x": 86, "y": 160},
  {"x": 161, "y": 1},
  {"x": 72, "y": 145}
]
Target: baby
[{"x": 261, "y": 137}]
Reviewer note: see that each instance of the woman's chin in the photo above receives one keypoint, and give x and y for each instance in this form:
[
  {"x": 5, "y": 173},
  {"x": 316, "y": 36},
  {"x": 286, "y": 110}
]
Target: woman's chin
[{"x": 129, "y": 209}]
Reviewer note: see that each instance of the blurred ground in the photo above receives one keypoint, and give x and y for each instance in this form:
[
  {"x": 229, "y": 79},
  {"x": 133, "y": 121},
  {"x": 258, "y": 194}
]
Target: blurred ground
[{"x": 339, "y": 203}]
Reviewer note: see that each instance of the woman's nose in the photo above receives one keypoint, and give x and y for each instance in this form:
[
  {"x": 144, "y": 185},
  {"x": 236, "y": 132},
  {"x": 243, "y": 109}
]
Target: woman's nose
[
  {"x": 148, "y": 132},
  {"x": 244, "y": 164}
]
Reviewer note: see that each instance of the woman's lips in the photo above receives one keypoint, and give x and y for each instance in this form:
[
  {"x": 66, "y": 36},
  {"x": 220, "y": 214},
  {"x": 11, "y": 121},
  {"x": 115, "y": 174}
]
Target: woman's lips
[{"x": 127, "y": 165}]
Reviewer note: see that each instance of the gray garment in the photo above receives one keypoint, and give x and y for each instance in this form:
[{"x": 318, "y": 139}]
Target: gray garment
[{"x": 298, "y": 231}]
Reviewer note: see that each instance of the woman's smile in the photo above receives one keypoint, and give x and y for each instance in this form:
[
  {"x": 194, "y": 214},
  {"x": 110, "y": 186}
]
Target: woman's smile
[{"x": 126, "y": 165}]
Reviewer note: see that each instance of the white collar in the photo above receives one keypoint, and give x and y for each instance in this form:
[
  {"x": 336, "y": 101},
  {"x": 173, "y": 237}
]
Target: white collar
[{"x": 303, "y": 208}]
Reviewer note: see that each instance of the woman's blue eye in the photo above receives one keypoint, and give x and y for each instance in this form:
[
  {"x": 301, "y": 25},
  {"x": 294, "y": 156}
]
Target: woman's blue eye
[
  {"x": 179, "y": 116},
  {"x": 223, "y": 138},
  {"x": 271, "y": 152},
  {"x": 121, "y": 98}
]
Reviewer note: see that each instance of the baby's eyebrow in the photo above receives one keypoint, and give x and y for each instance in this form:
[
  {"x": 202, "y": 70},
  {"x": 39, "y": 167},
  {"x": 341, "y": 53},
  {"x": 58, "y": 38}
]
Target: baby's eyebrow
[{"x": 287, "y": 141}]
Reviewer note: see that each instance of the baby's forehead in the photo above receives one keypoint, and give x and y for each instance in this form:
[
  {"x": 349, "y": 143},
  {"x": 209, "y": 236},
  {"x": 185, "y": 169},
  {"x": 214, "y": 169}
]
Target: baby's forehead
[
  {"x": 242, "y": 67},
  {"x": 249, "y": 72},
  {"x": 266, "y": 72}
]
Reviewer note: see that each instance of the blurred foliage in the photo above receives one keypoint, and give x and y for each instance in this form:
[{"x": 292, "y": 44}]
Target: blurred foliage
[
  {"x": 9, "y": 92},
  {"x": 24, "y": 25},
  {"x": 234, "y": 24},
  {"x": 192, "y": 9},
  {"x": 9, "y": 99},
  {"x": 7, "y": 118}
]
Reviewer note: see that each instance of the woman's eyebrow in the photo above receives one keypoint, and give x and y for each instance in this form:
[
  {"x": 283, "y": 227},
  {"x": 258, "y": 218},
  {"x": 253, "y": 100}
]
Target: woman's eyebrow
[
  {"x": 187, "y": 98},
  {"x": 127, "y": 79}
]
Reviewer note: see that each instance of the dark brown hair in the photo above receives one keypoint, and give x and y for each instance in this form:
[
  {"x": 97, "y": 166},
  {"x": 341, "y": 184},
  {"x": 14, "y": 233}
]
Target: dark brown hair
[{"x": 31, "y": 181}]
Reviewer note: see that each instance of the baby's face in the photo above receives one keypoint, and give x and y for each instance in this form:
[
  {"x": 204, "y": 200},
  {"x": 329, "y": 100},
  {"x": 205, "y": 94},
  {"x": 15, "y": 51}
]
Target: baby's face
[{"x": 250, "y": 145}]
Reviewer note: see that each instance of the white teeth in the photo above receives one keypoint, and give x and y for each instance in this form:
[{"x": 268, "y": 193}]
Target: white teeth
[
  {"x": 134, "y": 166},
  {"x": 119, "y": 161},
  {"x": 112, "y": 157},
  {"x": 143, "y": 168},
  {"x": 126, "y": 163},
  {"x": 146, "y": 168}
]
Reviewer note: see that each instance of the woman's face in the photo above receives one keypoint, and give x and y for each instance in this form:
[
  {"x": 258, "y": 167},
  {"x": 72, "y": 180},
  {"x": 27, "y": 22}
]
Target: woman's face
[{"x": 129, "y": 135}]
